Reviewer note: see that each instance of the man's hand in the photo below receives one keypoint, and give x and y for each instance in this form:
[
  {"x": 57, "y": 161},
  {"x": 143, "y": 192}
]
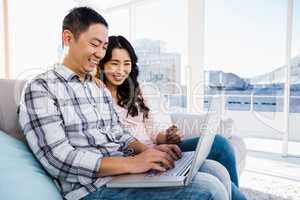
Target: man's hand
[
  {"x": 171, "y": 149},
  {"x": 151, "y": 159},
  {"x": 173, "y": 135},
  {"x": 160, "y": 159}
]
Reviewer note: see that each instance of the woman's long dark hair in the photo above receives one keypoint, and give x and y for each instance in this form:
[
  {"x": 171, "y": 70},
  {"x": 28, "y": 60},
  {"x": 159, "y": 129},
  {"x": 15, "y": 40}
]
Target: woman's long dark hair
[{"x": 129, "y": 93}]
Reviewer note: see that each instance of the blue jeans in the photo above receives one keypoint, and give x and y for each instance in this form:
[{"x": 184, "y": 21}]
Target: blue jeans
[
  {"x": 203, "y": 187},
  {"x": 222, "y": 152}
]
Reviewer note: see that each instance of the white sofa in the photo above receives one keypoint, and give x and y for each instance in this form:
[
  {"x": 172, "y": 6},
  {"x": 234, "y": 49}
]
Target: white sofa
[
  {"x": 9, "y": 100},
  {"x": 190, "y": 125}
]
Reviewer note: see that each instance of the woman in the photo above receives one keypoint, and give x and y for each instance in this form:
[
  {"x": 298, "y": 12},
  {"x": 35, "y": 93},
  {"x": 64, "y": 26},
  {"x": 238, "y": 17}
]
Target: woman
[{"x": 119, "y": 72}]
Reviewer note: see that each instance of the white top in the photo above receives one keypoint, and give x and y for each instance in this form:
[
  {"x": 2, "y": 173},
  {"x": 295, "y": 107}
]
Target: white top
[{"x": 146, "y": 130}]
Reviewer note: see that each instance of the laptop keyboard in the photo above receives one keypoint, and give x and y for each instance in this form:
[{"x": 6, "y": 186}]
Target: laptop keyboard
[{"x": 180, "y": 166}]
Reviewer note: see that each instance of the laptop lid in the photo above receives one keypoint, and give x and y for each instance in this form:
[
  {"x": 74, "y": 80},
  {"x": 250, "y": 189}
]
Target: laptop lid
[
  {"x": 203, "y": 148},
  {"x": 206, "y": 139}
]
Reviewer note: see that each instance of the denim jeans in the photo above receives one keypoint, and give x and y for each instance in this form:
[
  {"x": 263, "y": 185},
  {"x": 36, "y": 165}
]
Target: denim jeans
[
  {"x": 203, "y": 187},
  {"x": 222, "y": 152},
  {"x": 219, "y": 171}
]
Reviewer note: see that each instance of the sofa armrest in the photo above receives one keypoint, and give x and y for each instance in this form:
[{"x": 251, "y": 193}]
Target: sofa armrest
[{"x": 191, "y": 124}]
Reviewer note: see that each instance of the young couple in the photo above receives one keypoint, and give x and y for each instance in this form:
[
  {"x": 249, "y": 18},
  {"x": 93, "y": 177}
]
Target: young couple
[{"x": 73, "y": 129}]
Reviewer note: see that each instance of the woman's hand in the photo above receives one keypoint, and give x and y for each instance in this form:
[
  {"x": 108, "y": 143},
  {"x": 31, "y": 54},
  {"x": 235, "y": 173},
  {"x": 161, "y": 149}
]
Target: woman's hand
[{"x": 173, "y": 135}]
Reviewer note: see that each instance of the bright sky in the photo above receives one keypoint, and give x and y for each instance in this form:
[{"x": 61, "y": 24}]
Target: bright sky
[{"x": 248, "y": 37}]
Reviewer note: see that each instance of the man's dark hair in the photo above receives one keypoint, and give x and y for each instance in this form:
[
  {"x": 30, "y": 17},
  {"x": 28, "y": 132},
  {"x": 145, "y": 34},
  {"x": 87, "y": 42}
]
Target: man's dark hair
[{"x": 79, "y": 19}]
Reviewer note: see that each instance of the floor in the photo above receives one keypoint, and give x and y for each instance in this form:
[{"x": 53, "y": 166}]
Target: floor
[{"x": 268, "y": 175}]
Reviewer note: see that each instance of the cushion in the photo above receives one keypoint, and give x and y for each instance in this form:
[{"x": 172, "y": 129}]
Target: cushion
[
  {"x": 226, "y": 127},
  {"x": 190, "y": 124},
  {"x": 10, "y": 99},
  {"x": 240, "y": 151},
  {"x": 239, "y": 147},
  {"x": 22, "y": 177},
  {"x": 161, "y": 121},
  {"x": 161, "y": 117}
]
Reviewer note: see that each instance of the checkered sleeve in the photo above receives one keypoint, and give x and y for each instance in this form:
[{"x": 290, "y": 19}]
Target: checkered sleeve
[{"x": 42, "y": 123}]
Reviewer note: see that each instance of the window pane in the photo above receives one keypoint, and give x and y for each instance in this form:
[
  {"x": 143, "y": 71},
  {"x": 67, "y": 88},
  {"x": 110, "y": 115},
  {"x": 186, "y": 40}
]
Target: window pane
[
  {"x": 295, "y": 83},
  {"x": 161, "y": 45},
  {"x": 35, "y": 35},
  {"x": 118, "y": 21},
  {"x": 244, "y": 61},
  {"x": 107, "y": 4},
  {"x": 296, "y": 30}
]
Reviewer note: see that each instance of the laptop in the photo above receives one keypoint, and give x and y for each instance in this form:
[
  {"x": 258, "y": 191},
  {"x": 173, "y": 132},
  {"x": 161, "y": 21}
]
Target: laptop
[{"x": 185, "y": 168}]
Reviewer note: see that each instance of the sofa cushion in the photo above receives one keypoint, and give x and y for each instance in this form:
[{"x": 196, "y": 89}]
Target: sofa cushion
[
  {"x": 22, "y": 177},
  {"x": 10, "y": 98},
  {"x": 226, "y": 127},
  {"x": 161, "y": 121},
  {"x": 190, "y": 124},
  {"x": 240, "y": 151}
]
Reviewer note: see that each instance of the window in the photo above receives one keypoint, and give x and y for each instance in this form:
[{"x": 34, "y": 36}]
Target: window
[
  {"x": 295, "y": 83},
  {"x": 296, "y": 30},
  {"x": 35, "y": 35},
  {"x": 244, "y": 62},
  {"x": 161, "y": 45},
  {"x": 118, "y": 21}
]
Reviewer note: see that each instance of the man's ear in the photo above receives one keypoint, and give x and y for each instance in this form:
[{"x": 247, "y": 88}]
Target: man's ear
[{"x": 67, "y": 36}]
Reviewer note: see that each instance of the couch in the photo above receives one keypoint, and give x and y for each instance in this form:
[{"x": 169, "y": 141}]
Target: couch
[{"x": 10, "y": 92}]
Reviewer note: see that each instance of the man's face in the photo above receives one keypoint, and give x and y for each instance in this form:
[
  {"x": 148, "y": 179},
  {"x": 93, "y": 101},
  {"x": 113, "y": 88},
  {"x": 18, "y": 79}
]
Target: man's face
[{"x": 86, "y": 52}]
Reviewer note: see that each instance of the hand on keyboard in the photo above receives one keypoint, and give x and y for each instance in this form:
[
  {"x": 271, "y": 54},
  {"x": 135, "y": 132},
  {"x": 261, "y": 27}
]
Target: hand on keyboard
[
  {"x": 151, "y": 159},
  {"x": 180, "y": 165},
  {"x": 171, "y": 149}
]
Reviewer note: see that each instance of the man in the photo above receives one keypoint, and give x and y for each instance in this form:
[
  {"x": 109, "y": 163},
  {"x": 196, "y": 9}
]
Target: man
[{"x": 73, "y": 130}]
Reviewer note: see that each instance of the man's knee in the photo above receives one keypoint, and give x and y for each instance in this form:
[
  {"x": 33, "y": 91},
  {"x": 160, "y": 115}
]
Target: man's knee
[{"x": 206, "y": 186}]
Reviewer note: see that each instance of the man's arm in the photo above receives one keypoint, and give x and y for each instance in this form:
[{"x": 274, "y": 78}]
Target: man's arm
[
  {"x": 150, "y": 159},
  {"x": 42, "y": 124},
  {"x": 120, "y": 165},
  {"x": 138, "y": 147},
  {"x": 159, "y": 158}
]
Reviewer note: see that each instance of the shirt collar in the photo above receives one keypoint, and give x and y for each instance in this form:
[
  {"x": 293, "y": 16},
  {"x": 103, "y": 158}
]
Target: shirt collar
[{"x": 68, "y": 74}]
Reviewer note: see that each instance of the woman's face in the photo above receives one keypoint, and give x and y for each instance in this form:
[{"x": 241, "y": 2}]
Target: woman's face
[{"x": 118, "y": 68}]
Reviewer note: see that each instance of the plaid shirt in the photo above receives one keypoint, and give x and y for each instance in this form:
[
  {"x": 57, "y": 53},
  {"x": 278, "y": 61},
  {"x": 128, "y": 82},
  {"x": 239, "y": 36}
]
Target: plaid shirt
[{"x": 70, "y": 125}]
